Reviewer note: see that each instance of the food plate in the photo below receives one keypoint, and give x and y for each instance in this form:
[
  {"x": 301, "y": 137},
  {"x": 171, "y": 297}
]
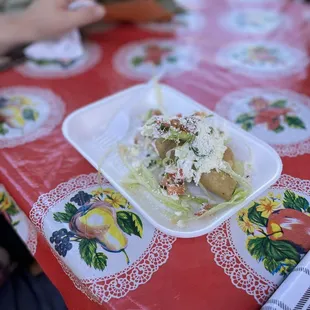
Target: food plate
[{"x": 86, "y": 130}]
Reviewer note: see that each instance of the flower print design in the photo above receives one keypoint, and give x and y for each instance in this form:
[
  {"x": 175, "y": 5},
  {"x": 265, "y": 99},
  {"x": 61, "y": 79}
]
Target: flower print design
[
  {"x": 273, "y": 114},
  {"x": 246, "y": 225},
  {"x": 155, "y": 55},
  {"x": 267, "y": 206},
  {"x": 277, "y": 227},
  {"x": 261, "y": 54},
  {"x": 116, "y": 200}
]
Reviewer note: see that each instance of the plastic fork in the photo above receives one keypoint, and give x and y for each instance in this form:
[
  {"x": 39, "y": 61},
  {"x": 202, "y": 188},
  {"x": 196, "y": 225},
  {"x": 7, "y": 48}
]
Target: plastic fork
[{"x": 119, "y": 125}]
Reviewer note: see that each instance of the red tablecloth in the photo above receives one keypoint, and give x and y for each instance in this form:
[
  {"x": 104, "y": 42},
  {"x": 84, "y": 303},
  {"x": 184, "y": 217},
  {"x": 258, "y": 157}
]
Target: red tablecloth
[{"x": 246, "y": 59}]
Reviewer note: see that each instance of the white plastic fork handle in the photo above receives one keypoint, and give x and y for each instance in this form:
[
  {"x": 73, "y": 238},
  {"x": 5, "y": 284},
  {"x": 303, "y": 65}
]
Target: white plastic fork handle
[
  {"x": 127, "y": 107},
  {"x": 121, "y": 122}
]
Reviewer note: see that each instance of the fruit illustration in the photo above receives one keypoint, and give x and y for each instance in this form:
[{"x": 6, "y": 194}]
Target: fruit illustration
[
  {"x": 62, "y": 242},
  {"x": 14, "y": 111},
  {"x": 278, "y": 229},
  {"x": 290, "y": 225},
  {"x": 13, "y": 117},
  {"x": 97, "y": 221},
  {"x": 95, "y": 225}
]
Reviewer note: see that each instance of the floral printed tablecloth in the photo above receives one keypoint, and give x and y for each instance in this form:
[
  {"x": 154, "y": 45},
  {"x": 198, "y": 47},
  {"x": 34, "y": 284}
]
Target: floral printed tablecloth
[{"x": 245, "y": 59}]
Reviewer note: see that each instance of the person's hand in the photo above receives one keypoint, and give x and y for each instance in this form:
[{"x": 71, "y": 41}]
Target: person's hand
[{"x": 45, "y": 19}]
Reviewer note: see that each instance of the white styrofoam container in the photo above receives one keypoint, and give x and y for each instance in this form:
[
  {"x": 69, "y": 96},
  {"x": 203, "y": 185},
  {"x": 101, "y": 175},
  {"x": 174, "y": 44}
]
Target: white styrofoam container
[{"x": 85, "y": 130}]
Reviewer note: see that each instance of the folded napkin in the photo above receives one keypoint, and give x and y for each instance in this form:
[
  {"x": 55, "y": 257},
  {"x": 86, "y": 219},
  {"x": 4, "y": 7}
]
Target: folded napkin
[
  {"x": 294, "y": 292},
  {"x": 64, "y": 48}
]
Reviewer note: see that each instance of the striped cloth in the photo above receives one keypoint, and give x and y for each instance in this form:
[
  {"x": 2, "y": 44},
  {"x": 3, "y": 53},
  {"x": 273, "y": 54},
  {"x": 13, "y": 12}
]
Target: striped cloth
[{"x": 294, "y": 292}]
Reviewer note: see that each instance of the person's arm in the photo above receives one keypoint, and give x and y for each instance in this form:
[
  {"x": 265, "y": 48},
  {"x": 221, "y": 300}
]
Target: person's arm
[{"x": 44, "y": 19}]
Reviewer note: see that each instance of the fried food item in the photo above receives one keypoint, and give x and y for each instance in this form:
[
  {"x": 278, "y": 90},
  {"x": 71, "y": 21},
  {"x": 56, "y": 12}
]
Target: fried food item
[
  {"x": 229, "y": 157},
  {"x": 163, "y": 146},
  {"x": 220, "y": 183}
]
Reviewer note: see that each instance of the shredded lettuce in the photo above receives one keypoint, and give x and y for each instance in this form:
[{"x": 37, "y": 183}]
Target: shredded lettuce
[
  {"x": 181, "y": 209},
  {"x": 239, "y": 196},
  {"x": 148, "y": 115},
  {"x": 239, "y": 167},
  {"x": 140, "y": 175},
  {"x": 195, "y": 199},
  {"x": 177, "y": 135}
]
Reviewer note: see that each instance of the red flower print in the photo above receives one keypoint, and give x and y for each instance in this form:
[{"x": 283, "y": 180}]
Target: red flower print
[
  {"x": 271, "y": 113},
  {"x": 259, "y": 103},
  {"x": 263, "y": 54},
  {"x": 271, "y": 116},
  {"x": 273, "y": 123},
  {"x": 154, "y": 54}
]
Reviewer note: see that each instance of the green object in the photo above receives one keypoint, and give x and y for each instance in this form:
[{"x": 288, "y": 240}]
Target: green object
[
  {"x": 246, "y": 120},
  {"x": 243, "y": 118},
  {"x": 65, "y": 217},
  {"x": 239, "y": 196},
  {"x": 293, "y": 201},
  {"x": 87, "y": 249},
  {"x": 247, "y": 126},
  {"x": 137, "y": 61},
  {"x": 3, "y": 131},
  {"x": 45, "y": 62},
  {"x": 295, "y": 122},
  {"x": 12, "y": 210},
  {"x": 270, "y": 264},
  {"x": 99, "y": 261},
  {"x": 130, "y": 223},
  {"x": 89, "y": 254},
  {"x": 176, "y": 135},
  {"x": 279, "y": 129},
  {"x": 172, "y": 59},
  {"x": 279, "y": 104},
  {"x": 263, "y": 247},
  {"x": 70, "y": 209},
  {"x": 29, "y": 114},
  {"x": 144, "y": 177},
  {"x": 62, "y": 217},
  {"x": 281, "y": 250},
  {"x": 256, "y": 217}
]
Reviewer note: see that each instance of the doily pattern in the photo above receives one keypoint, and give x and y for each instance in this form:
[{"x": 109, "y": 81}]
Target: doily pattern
[
  {"x": 19, "y": 221},
  {"x": 32, "y": 240},
  {"x": 226, "y": 255},
  {"x": 55, "y": 114},
  {"x": 241, "y": 275},
  {"x": 93, "y": 55},
  {"x": 262, "y": 59},
  {"x": 229, "y": 104},
  {"x": 102, "y": 289}
]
